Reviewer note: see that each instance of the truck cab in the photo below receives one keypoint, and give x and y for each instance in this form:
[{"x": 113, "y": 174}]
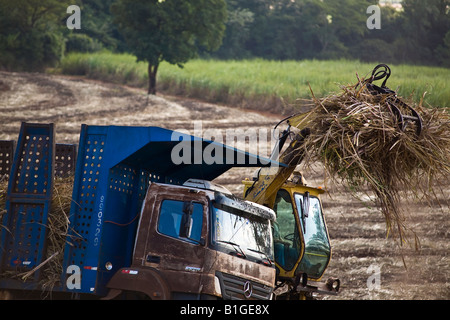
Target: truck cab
[{"x": 198, "y": 241}]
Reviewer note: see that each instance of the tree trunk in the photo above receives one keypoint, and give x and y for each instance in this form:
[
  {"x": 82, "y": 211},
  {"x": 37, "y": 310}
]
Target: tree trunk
[{"x": 152, "y": 69}]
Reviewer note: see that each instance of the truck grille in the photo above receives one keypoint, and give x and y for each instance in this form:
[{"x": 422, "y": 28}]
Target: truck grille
[{"x": 237, "y": 288}]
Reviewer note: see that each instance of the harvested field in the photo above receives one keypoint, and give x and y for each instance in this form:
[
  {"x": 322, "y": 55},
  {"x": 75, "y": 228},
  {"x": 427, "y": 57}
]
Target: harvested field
[{"x": 369, "y": 265}]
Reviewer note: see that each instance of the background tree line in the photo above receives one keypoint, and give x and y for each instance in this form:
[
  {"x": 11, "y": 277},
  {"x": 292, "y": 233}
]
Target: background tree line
[
  {"x": 330, "y": 29},
  {"x": 33, "y": 33}
]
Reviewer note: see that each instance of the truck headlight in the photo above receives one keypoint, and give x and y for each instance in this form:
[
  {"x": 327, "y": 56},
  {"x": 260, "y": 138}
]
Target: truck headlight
[
  {"x": 333, "y": 284},
  {"x": 217, "y": 287}
]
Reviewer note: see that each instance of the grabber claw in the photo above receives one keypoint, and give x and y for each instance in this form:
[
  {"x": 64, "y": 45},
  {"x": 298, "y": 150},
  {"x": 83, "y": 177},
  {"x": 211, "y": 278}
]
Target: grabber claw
[{"x": 398, "y": 107}]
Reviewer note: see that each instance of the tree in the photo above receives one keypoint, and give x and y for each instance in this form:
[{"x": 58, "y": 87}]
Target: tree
[
  {"x": 169, "y": 30},
  {"x": 98, "y": 27},
  {"x": 31, "y": 33},
  {"x": 281, "y": 29},
  {"x": 294, "y": 28},
  {"x": 443, "y": 51},
  {"x": 425, "y": 24},
  {"x": 380, "y": 44},
  {"x": 348, "y": 20},
  {"x": 237, "y": 32}
]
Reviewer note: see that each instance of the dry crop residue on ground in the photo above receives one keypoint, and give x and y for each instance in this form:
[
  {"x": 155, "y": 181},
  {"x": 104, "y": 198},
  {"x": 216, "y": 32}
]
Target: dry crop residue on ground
[{"x": 369, "y": 265}]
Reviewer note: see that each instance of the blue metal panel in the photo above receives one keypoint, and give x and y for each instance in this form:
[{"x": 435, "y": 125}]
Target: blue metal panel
[
  {"x": 6, "y": 157},
  {"x": 65, "y": 159},
  {"x": 86, "y": 207},
  {"x": 23, "y": 240}
]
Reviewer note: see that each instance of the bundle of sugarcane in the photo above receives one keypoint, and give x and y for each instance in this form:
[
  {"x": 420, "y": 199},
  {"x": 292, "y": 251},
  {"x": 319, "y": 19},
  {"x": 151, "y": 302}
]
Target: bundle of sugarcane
[
  {"x": 58, "y": 228},
  {"x": 3, "y": 189},
  {"x": 369, "y": 139}
]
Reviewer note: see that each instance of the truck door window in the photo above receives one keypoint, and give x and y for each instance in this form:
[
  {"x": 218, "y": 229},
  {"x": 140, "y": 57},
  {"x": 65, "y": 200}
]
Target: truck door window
[
  {"x": 171, "y": 215},
  {"x": 286, "y": 237}
]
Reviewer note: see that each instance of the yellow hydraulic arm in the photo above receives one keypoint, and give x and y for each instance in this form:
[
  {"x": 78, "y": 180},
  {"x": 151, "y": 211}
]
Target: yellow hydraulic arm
[{"x": 270, "y": 180}]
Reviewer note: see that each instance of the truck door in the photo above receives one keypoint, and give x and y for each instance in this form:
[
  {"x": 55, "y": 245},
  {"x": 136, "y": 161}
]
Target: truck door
[
  {"x": 317, "y": 245},
  {"x": 287, "y": 239},
  {"x": 176, "y": 242}
]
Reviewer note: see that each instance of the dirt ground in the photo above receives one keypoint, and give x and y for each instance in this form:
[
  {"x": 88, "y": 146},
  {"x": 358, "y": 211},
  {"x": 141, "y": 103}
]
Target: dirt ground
[{"x": 368, "y": 265}]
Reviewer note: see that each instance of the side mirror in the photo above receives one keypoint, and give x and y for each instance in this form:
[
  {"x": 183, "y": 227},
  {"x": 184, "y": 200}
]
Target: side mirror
[
  {"x": 188, "y": 207},
  {"x": 186, "y": 223},
  {"x": 186, "y": 220},
  {"x": 305, "y": 209}
]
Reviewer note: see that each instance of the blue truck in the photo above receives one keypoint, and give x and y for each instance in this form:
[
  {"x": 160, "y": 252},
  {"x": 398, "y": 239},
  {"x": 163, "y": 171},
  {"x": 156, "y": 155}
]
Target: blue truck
[{"x": 140, "y": 224}]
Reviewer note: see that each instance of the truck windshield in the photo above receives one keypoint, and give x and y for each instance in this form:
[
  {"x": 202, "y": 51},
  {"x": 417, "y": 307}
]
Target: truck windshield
[
  {"x": 317, "y": 245},
  {"x": 249, "y": 236}
]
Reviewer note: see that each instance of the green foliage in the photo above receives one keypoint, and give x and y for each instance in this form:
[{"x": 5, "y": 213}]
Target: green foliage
[
  {"x": 80, "y": 42},
  {"x": 287, "y": 29},
  {"x": 98, "y": 25},
  {"x": 237, "y": 32},
  {"x": 30, "y": 34},
  {"x": 169, "y": 30},
  {"x": 106, "y": 66},
  {"x": 426, "y": 23},
  {"x": 33, "y": 33},
  {"x": 267, "y": 82},
  {"x": 329, "y": 29},
  {"x": 165, "y": 30},
  {"x": 443, "y": 51},
  {"x": 260, "y": 84}
]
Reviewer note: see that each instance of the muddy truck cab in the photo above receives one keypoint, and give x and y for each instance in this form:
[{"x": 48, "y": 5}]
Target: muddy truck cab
[
  {"x": 141, "y": 223},
  {"x": 198, "y": 241}
]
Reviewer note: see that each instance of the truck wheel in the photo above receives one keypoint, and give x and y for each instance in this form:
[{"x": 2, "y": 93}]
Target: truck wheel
[{"x": 132, "y": 295}]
